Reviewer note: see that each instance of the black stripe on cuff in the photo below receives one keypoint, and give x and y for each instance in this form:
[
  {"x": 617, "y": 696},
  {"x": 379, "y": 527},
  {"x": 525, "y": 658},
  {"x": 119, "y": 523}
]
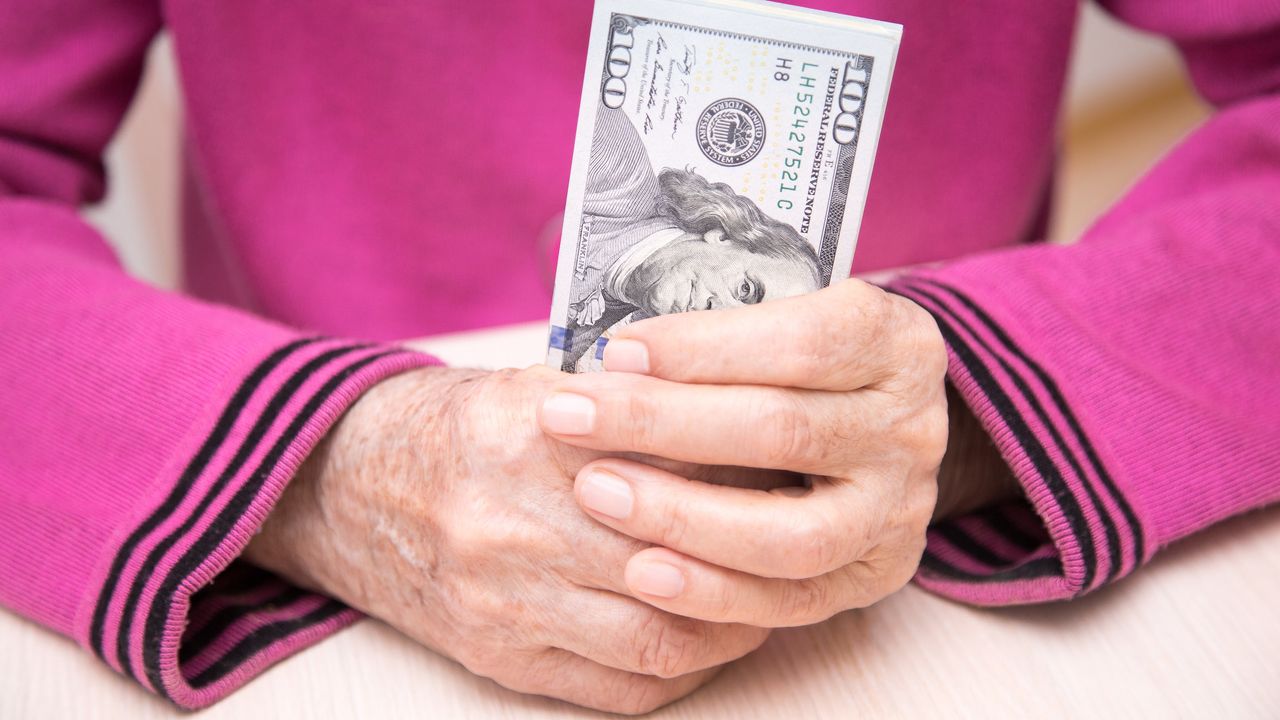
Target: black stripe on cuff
[
  {"x": 996, "y": 519},
  {"x": 1030, "y": 570},
  {"x": 1114, "y": 556},
  {"x": 1055, "y": 393},
  {"x": 221, "y": 428},
  {"x": 967, "y": 544},
  {"x": 269, "y": 414},
  {"x": 261, "y": 638},
  {"x": 1025, "y": 438},
  {"x": 230, "y": 615},
  {"x": 217, "y": 532}
]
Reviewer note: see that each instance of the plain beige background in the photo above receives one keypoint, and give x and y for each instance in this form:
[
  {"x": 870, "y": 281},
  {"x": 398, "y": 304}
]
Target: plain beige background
[{"x": 1195, "y": 634}]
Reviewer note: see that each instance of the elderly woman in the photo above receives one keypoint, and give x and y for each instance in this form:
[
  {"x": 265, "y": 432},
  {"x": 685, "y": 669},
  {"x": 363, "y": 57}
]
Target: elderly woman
[{"x": 195, "y": 485}]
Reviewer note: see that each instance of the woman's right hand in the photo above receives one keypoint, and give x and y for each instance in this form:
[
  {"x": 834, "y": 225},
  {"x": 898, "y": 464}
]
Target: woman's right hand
[{"x": 438, "y": 505}]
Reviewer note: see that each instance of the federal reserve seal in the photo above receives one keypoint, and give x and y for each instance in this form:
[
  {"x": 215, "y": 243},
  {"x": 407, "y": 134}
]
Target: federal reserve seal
[{"x": 730, "y": 132}]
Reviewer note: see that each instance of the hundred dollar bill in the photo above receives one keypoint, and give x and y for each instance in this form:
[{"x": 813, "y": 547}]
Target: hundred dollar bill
[{"x": 723, "y": 154}]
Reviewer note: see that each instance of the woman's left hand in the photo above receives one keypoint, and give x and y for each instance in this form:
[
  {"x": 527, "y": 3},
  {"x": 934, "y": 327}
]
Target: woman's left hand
[{"x": 843, "y": 386}]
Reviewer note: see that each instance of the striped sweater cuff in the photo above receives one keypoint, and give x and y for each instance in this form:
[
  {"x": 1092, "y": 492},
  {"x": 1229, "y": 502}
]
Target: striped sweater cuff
[
  {"x": 1076, "y": 531},
  {"x": 174, "y": 610}
]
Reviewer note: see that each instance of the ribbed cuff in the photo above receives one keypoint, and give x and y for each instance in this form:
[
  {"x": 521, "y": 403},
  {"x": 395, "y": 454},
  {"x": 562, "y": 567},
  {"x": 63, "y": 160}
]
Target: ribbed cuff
[
  {"x": 159, "y": 616},
  {"x": 1076, "y": 531}
]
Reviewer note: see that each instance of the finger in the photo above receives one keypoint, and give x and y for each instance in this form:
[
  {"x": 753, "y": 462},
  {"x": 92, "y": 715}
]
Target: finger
[
  {"x": 563, "y": 675},
  {"x": 770, "y": 534},
  {"x": 605, "y": 551},
  {"x": 719, "y": 595},
  {"x": 624, "y": 633},
  {"x": 829, "y": 340},
  {"x": 807, "y": 431}
]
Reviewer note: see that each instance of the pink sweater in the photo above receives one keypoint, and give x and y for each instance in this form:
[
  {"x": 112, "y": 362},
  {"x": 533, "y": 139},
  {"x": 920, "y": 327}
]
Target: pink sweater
[{"x": 384, "y": 170}]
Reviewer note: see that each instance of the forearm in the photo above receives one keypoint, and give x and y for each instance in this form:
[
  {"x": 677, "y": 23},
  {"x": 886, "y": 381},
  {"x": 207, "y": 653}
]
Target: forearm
[
  {"x": 180, "y": 423},
  {"x": 1126, "y": 380}
]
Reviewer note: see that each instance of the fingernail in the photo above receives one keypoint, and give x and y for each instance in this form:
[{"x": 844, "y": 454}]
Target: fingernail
[
  {"x": 659, "y": 579},
  {"x": 607, "y": 494},
  {"x": 568, "y": 414},
  {"x": 622, "y": 355}
]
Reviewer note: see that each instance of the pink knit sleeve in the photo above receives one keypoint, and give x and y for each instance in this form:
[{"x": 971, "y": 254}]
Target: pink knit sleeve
[
  {"x": 146, "y": 435},
  {"x": 1130, "y": 380}
]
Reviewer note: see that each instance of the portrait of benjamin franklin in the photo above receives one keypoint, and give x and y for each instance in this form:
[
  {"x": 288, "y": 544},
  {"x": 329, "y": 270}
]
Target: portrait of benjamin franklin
[{"x": 668, "y": 243}]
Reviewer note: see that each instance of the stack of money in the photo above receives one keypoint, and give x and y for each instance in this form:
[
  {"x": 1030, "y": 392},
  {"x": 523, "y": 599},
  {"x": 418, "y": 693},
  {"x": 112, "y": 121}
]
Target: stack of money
[{"x": 723, "y": 155}]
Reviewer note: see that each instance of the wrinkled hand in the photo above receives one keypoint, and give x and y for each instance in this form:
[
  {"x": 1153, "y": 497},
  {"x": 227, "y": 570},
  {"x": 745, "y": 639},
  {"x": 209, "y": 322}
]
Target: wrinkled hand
[
  {"x": 844, "y": 385},
  {"x": 438, "y": 505}
]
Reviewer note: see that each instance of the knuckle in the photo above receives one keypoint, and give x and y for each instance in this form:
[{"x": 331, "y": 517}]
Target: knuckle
[
  {"x": 811, "y": 349},
  {"x": 487, "y": 531},
  {"x": 534, "y": 374},
  {"x": 928, "y": 434},
  {"x": 484, "y": 609},
  {"x": 920, "y": 506},
  {"x": 787, "y": 427},
  {"x": 496, "y": 386},
  {"x": 901, "y": 573},
  {"x": 916, "y": 341},
  {"x": 486, "y": 661},
  {"x": 461, "y": 537},
  {"x": 882, "y": 304},
  {"x": 857, "y": 313},
  {"x": 665, "y": 649},
  {"x": 540, "y": 673},
  {"x": 807, "y": 602},
  {"x": 914, "y": 551},
  {"x": 925, "y": 342},
  {"x": 472, "y": 602},
  {"x": 497, "y": 399},
  {"x": 877, "y": 313},
  {"x": 638, "y": 695},
  {"x": 888, "y": 573},
  {"x": 933, "y": 346},
  {"x": 916, "y": 429},
  {"x": 931, "y": 359},
  {"x": 856, "y": 292},
  {"x": 722, "y": 601},
  {"x": 916, "y": 513},
  {"x": 810, "y": 547},
  {"x": 673, "y": 525},
  {"x": 639, "y": 427},
  {"x": 927, "y": 333}
]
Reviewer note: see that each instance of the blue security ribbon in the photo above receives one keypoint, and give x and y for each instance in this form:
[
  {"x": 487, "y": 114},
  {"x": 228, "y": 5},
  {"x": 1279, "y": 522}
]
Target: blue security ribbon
[{"x": 559, "y": 338}]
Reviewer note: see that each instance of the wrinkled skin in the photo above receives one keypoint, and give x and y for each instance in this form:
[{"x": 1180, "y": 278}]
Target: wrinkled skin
[
  {"x": 850, "y": 394},
  {"x": 453, "y": 505},
  {"x": 438, "y": 506}
]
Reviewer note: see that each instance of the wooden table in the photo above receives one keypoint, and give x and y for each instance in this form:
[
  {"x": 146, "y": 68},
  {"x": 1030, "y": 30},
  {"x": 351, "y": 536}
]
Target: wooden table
[{"x": 1195, "y": 634}]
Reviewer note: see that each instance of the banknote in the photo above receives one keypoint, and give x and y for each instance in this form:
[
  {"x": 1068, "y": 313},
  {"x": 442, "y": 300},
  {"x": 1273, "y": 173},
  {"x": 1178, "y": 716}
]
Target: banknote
[{"x": 723, "y": 154}]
